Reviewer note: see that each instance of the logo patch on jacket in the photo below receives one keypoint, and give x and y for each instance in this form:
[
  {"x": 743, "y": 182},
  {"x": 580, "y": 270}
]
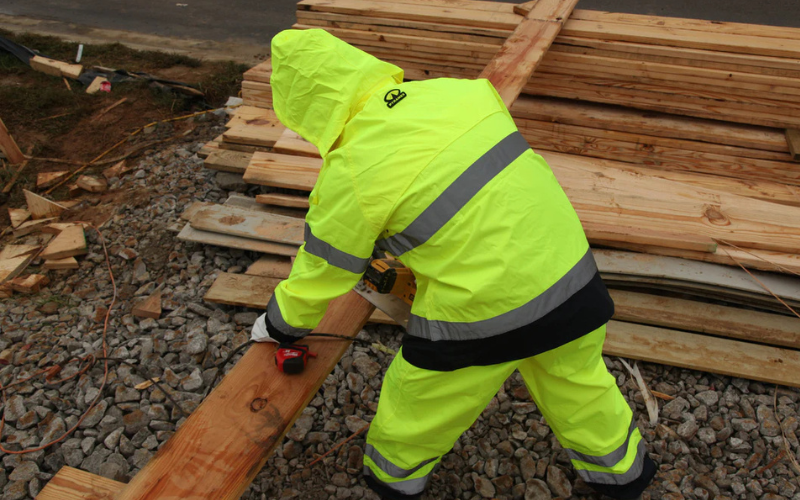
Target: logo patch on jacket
[{"x": 393, "y": 97}]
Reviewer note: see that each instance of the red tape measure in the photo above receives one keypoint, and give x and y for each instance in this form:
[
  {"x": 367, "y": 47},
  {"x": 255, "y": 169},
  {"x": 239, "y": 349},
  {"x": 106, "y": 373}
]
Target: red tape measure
[{"x": 292, "y": 358}]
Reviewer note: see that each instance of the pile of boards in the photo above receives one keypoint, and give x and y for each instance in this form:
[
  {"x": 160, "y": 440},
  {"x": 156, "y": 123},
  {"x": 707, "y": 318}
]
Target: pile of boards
[{"x": 695, "y": 223}]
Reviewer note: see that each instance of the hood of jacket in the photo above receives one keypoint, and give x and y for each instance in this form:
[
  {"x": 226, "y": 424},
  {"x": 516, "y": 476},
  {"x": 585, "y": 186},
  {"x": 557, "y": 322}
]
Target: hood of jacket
[{"x": 319, "y": 80}]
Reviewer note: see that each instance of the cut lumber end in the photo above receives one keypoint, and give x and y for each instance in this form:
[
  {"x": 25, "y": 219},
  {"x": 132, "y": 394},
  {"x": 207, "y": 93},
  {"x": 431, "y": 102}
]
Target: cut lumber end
[
  {"x": 793, "y": 140},
  {"x": 149, "y": 308},
  {"x": 31, "y": 283},
  {"x": 92, "y": 184},
  {"x": 523, "y": 8},
  {"x": 46, "y": 65},
  {"x": 40, "y": 207},
  {"x": 47, "y": 179},
  {"x": 18, "y": 216}
]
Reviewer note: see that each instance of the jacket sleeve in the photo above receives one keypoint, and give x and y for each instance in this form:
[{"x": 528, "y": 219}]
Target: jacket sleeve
[{"x": 338, "y": 244}]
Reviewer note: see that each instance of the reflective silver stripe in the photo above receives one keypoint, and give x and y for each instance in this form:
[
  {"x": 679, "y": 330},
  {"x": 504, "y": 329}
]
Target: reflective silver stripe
[
  {"x": 575, "y": 279},
  {"x": 610, "y": 478},
  {"x": 276, "y": 318},
  {"x": 390, "y": 468},
  {"x": 457, "y": 194},
  {"x": 608, "y": 460},
  {"x": 334, "y": 256},
  {"x": 408, "y": 487}
]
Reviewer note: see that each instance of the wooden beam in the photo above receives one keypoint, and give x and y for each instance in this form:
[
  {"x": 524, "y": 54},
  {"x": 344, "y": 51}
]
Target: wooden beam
[
  {"x": 511, "y": 68},
  {"x": 253, "y": 406},
  {"x": 700, "y": 352},
  {"x": 9, "y": 146},
  {"x": 793, "y": 140},
  {"x": 75, "y": 484}
]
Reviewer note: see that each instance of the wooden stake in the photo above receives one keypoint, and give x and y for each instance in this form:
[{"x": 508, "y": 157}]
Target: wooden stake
[
  {"x": 793, "y": 139},
  {"x": 9, "y": 147},
  {"x": 40, "y": 207}
]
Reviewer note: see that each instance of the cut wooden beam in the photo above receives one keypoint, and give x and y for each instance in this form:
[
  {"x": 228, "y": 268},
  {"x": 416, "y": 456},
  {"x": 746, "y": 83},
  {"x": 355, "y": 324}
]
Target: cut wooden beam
[
  {"x": 69, "y": 243},
  {"x": 283, "y": 200},
  {"x": 149, "y": 308},
  {"x": 18, "y": 216},
  {"x": 793, "y": 140},
  {"x": 92, "y": 184},
  {"x": 188, "y": 233},
  {"x": 699, "y": 352},
  {"x": 702, "y": 317},
  {"x": 47, "y": 179},
  {"x": 31, "y": 283},
  {"x": 511, "y": 68},
  {"x": 75, "y": 484},
  {"x": 283, "y": 171},
  {"x": 228, "y": 161},
  {"x": 40, "y": 207},
  {"x": 65, "y": 263},
  {"x": 259, "y": 226},
  {"x": 9, "y": 146},
  {"x": 256, "y": 405}
]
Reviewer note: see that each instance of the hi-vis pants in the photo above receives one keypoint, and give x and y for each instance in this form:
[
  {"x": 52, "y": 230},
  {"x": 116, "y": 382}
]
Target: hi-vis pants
[{"x": 421, "y": 413}]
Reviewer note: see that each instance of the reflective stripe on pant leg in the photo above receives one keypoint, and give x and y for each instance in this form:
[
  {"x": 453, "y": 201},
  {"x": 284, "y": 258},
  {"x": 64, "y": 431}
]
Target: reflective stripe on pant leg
[
  {"x": 586, "y": 410},
  {"x": 420, "y": 415}
]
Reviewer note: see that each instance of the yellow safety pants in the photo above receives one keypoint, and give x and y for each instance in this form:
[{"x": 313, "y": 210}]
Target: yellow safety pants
[{"x": 421, "y": 413}]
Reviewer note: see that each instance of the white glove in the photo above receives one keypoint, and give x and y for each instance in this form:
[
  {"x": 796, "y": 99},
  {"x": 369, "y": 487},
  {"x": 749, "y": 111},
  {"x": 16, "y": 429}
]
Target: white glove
[{"x": 259, "y": 332}]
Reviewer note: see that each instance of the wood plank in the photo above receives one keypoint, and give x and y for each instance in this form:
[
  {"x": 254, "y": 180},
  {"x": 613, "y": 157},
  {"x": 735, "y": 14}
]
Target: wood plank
[
  {"x": 188, "y": 233},
  {"x": 242, "y": 290},
  {"x": 283, "y": 200},
  {"x": 47, "y": 179},
  {"x": 260, "y": 226},
  {"x": 17, "y": 216},
  {"x": 251, "y": 115},
  {"x": 65, "y": 263},
  {"x": 74, "y": 484},
  {"x": 283, "y": 171},
  {"x": 228, "y": 161},
  {"x": 697, "y": 352},
  {"x": 69, "y": 243},
  {"x": 271, "y": 266},
  {"x": 606, "y": 234},
  {"x": 263, "y": 135},
  {"x": 793, "y": 140},
  {"x": 40, "y": 207},
  {"x": 249, "y": 203},
  {"x": 511, "y": 68},
  {"x": 256, "y": 405},
  {"x": 149, "y": 307},
  {"x": 292, "y": 143},
  {"x": 713, "y": 319},
  {"x": 9, "y": 146},
  {"x": 195, "y": 207}
]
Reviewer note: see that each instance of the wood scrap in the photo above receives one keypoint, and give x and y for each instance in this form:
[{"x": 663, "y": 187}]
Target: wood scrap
[
  {"x": 47, "y": 179},
  {"x": 96, "y": 85},
  {"x": 53, "y": 67},
  {"x": 13, "y": 267},
  {"x": 242, "y": 290},
  {"x": 32, "y": 226},
  {"x": 56, "y": 227},
  {"x": 11, "y": 251},
  {"x": 793, "y": 140},
  {"x": 116, "y": 170},
  {"x": 32, "y": 283},
  {"x": 149, "y": 308},
  {"x": 9, "y": 147},
  {"x": 69, "y": 243},
  {"x": 40, "y": 207},
  {"x": 18, "y": 216},
  {"x": 271, "y": 266},
  {"x": 92, "y": 184},
  {"x": 57, "y": 264},
  {"x": 283, "y": 200},
  {"x": 188, "y": 233}
]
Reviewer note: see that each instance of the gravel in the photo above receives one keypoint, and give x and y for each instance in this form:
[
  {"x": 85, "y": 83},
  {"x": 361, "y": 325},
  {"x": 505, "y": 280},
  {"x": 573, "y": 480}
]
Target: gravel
[{"x": 717, "y": 437}]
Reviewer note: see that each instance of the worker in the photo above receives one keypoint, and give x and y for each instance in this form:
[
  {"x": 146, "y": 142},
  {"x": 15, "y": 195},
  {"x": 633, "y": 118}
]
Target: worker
[{"x": 436, "y": 174}]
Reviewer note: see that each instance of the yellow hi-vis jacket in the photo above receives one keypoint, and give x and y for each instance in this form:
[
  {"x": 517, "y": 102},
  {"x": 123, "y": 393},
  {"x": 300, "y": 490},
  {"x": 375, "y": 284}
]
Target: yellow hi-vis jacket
[{"x": 436, "y": 173}]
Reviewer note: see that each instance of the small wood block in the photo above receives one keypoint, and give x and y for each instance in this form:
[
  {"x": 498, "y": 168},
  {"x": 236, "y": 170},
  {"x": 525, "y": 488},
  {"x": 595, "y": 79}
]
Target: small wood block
[
  {"x": 18, "y": 216},
  {"x": 31, "y": 283},
  {"x": 11, "y": 251},
  {"x": 47, "y": 179},
  {"x": 793, "y": 139},
  {"x": 40, "y": 207},
  {"x": 72, "y": 71},
  {"x": 74, "y": 484},
  {"x": 92, "y": 184},
  {"x": 149, "y": 308},
  {"x": 116, "y": 171},
  {"x": 69, "y": 243},
  {"x": 31, "y": 226},
  {"x": 94, "y": 87},
  {"x": 66, "y": 263}
]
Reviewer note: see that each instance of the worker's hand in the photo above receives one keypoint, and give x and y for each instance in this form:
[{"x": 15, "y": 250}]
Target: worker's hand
[{"x": 259, "y": 332}]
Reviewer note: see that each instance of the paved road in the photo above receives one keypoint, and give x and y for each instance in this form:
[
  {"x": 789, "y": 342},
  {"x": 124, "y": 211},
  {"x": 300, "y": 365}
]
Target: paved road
[{"x": 256, "y": 21}]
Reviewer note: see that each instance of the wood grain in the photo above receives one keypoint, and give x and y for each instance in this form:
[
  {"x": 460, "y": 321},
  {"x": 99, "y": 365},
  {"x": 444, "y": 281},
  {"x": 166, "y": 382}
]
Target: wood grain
[
  {"x": 74, "y": 484},
  {"x": 283, "y": 171},
  {"x": 256, "y": 225}
]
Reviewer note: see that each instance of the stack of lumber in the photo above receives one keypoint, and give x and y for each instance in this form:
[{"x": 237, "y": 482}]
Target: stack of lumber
[{"x": 734, "y": 72}]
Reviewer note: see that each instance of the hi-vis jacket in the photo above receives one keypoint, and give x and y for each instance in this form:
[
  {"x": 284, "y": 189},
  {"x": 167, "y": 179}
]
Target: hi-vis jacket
[{"x": 434, "y": 172}]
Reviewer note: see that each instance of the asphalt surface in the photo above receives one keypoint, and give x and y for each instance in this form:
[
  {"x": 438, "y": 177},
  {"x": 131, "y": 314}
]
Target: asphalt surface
[{"x": 256, "y": 21}]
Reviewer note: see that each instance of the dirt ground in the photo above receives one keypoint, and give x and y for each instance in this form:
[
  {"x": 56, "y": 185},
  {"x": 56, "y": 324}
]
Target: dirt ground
[{"x": 52, "y": 118}]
